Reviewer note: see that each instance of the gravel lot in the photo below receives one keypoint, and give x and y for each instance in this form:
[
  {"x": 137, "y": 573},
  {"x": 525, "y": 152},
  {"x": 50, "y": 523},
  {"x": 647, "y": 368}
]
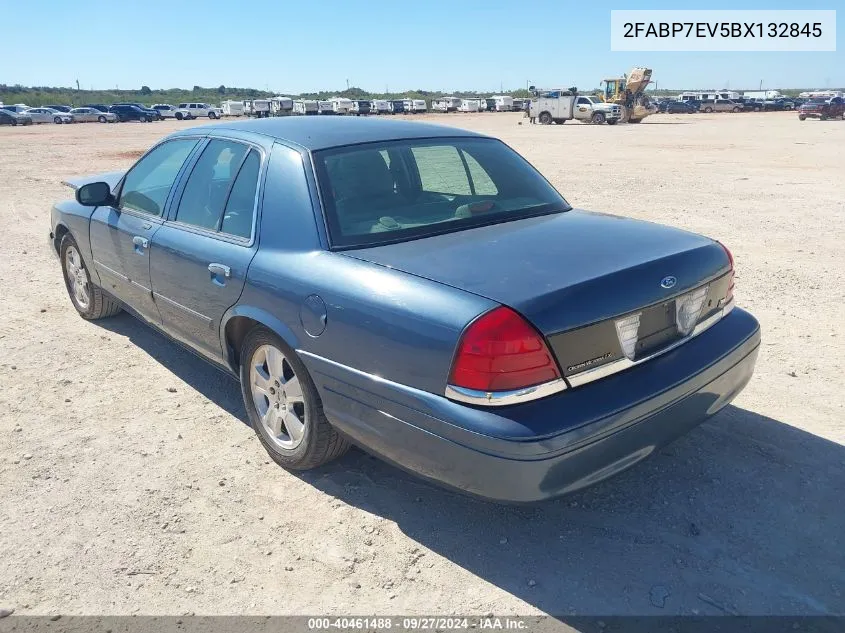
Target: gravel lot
[{"x": 132, "y": 484}]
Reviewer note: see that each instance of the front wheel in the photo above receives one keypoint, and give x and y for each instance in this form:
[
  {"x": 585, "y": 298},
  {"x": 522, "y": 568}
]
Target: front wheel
[
  {"x": 143, "y": 118},
  {"x": 57, "y": 120},
  {"x": 101, "y": 119},
  {"x": 598, "y": 118},
  {"x": 283, "y": 405},
  {"x": 736, "y": 110},
  {"x": 89, "y": 300},
  {"x": 708, "y": 110},
  {"x": 801, "y": 117},
  {"x": 179, "y": 116},
  {"x": 212, "y": 115}
]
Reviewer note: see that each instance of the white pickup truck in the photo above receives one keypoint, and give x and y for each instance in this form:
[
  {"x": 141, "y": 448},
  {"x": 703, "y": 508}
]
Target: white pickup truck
[
  {"x": 197, "y": 110},
  {"x": 553, "y": 107}
]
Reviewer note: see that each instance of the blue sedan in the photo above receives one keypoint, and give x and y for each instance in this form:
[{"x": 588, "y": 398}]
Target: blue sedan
[{"x": 417, "y": 290}]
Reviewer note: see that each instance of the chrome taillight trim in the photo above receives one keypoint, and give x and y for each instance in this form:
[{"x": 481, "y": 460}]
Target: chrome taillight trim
[
  {"x": 503, "y": 398},
  {"x": 590, "y": 375}
]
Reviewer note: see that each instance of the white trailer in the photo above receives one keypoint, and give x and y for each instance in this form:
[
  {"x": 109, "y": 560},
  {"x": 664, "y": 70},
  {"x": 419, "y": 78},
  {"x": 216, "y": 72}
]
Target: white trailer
[
  {"x": 504, "y": 103},
  {"x": 261, "y": 107},
  {"x": 469, "y": 105},
  {"x": 418, "y": 106},
  {"x": 281, "y": 105},
  {"x": 325, "y": 107},
  {"x": 232, "y": 108},
  {"x": 341, "y": 105},
  {"x": 379, "y": 106},
  {"x": 762, "y": 94},
  {"x": 305, "y": 106},
  {"x": 446, "y": 104}
]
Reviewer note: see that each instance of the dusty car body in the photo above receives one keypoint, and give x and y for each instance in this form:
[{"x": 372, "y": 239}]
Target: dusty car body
[
  {"x": 90, "y": 115},
  {"x": 418, "y": 290},
  {"x": 48, "y": 115}
]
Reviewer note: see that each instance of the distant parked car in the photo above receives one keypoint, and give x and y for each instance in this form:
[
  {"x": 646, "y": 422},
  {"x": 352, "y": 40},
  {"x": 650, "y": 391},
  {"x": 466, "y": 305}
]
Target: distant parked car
[
  {"x": 60, "y": 108},
  {"x": 166, "y": 110},
  {"x": 153, "y": 114},
  {"x": 8, "y": 117},
  {"x": 679, "y": 107},
  {"x": 778, "y": 104},
  {"x": 48, "y": 115},
  {"x": 822, "y": 108},
  {"x": 131, "y": 113},
  {"x": 198, "y": 111},
  {"x": 102, "y": 107},
  {"x": 20, "y": 109},
  {"x": 88, "y": 115},
  {"x": 720, "y": 105}
]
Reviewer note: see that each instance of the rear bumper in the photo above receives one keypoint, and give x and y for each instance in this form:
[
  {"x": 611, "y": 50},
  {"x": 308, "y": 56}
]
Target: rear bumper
[{"x": 551, "y": 446}]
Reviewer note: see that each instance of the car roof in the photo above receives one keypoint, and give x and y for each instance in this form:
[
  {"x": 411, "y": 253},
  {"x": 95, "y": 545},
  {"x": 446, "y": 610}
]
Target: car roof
[{"x": 321, "y": 132}]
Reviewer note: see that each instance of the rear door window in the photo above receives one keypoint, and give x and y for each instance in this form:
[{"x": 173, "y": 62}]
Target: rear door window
[{"x": 210, "y": 184}]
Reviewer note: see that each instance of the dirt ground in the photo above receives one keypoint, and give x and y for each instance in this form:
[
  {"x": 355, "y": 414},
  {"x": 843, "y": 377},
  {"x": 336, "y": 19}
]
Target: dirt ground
[{"x": 131, "y": 482}]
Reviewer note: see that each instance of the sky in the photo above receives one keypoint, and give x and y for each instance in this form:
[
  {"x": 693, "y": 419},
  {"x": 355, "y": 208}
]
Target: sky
[{"x": 307, "y": 46}]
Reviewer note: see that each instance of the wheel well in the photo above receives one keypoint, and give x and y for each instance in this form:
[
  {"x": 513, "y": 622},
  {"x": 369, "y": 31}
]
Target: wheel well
[
  {"x": 236, "y": 331},
  {"x": 61, "y": 230}
]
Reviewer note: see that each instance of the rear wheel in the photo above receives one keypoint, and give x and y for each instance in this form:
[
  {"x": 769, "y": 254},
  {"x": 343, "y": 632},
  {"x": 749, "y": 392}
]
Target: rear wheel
[
  {"x": 143, "y": 118},
  {"x": 14, "y": 122},
  {"x": 708, "y": 110},
  {"x": 801, "y": 117},
  {"x": 89, "y": 300},
  {"x": 179, "y": 116},
  {"x": 283, "y": 405},
  {"x": 545, "y": 118},
  {"x": 101, "y": 119},
  {"x": 736, "y": 110}
]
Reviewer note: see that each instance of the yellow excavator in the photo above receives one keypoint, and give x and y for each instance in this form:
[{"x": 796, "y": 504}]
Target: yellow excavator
[{"x": 629, "y": 92}]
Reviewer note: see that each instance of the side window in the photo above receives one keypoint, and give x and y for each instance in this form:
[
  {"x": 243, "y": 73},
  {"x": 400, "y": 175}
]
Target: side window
[
  {"x": 583, "y": 101},
  {"x": 148, "y": 183},
  {"x": 237, "y": 216},
  {"x": 208, "y": 186},
  {"x": 441, "y": 169}
]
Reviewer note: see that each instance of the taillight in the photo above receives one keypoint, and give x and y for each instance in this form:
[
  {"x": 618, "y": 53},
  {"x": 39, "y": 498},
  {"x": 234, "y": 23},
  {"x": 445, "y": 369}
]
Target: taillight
[
  {"x": 501, "y": 351},
  {"x": 730, "y": 294}
]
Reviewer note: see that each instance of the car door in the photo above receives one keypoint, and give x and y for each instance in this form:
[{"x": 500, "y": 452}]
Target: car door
[
  {"x": 120, "y": 235},
  {"x": 200, "y": 256}
]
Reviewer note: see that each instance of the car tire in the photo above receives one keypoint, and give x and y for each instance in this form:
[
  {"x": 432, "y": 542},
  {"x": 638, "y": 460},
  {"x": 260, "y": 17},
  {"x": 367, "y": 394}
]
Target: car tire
[
  {"x": 708, "y": 110},
  {"x": 57, "y": 120},
  {"x": 178, "y": 116},
  {"x": 736, "y": 110},
  {"x": 143, "y": 118},
  {"x": 823, "y": 117},
  {"x": 13, "y": 122},
  {"x": 598, "y": 118},
  {"x": 545, "y": 118},
  {"x": 612, "y": 121},
  {"x": 88, "y": 299},
  {"x": 801, "y": 117},
  {"x": 212, "y": 115},
  {"x": 290, "y": 425},
  {"x": 101, "y": 119}
]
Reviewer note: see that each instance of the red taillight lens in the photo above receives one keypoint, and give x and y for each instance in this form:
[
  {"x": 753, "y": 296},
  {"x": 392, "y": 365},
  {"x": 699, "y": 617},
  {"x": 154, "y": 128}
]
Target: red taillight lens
[
  {"x": 501, "y": 351},
  {"x": 730, "y": 294}
]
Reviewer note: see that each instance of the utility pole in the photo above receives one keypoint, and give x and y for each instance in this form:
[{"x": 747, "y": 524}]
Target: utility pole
[{"x": 347, "y": 84}]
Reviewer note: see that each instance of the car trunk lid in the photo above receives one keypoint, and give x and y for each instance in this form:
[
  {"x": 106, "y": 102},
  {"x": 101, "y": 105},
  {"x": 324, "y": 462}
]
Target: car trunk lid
[{"x": 572, "y": 275}]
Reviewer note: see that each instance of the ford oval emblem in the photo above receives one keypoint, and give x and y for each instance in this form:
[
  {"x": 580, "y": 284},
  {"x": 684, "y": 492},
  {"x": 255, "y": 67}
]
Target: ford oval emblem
[{"x": 668, "y": 282}]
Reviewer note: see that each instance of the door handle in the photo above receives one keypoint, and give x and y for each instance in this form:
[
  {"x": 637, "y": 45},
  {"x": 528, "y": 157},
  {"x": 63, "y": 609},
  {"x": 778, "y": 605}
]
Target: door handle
[
  {"x": 220, "y": 269},
  {"x": 140, "y": 244}
]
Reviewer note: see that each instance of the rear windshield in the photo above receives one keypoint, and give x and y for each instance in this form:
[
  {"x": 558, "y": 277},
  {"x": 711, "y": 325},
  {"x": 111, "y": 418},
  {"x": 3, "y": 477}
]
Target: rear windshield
[{"x": 387, "y": 192}]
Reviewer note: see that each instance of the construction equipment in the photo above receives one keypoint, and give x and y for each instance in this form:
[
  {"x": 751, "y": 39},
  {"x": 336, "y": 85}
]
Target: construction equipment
[{"x": 629, "y": 92}]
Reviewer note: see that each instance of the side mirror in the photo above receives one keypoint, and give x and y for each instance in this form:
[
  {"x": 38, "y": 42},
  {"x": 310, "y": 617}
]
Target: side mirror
[{"x": 94, "y": 194}]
